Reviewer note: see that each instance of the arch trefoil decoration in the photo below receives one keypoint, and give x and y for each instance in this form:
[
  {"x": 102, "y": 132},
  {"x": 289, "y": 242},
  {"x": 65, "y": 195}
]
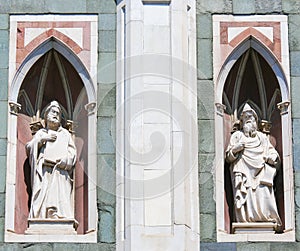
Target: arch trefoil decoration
[
  {"x": 89, "y": 85},
  {"x": 222, "y": 69}
]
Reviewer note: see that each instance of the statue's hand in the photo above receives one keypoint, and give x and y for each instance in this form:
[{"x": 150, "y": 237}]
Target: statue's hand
[
  {"x": 48, "y": 137},
  {"x": 237, "y": 148},
  {"x": 63, "y": 164},
  {"x": 271, "y": 160}
]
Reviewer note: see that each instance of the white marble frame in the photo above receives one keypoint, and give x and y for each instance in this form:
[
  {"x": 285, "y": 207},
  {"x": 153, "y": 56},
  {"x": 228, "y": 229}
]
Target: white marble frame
[
  {"x": 282, "y": 74},
  {"x": 15, "y": 81}
]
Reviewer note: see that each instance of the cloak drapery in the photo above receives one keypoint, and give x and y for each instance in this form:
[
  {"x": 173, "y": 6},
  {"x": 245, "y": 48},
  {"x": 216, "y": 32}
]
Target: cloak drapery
[
  {"x": 252, "y": 178},
  {"x": 52, "y": 187}
]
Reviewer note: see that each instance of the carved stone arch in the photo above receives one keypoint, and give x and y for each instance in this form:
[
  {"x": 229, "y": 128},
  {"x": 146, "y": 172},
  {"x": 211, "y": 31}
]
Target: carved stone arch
[
  {"x": 43, "y": 48},
  {"x": 252, "y": 42},
  {"x": 224, "y": 121}
]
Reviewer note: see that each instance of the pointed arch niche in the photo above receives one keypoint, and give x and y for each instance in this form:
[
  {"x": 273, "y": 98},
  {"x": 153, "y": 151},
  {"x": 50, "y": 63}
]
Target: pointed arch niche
[
  {"x": 51, "y": 71},
  {"x": 252, "y": 73}
]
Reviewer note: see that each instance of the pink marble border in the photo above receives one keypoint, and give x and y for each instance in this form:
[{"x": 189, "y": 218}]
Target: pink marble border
[
  {"x": 274, "y": 46},
  {"x": 83, "y": 53}
]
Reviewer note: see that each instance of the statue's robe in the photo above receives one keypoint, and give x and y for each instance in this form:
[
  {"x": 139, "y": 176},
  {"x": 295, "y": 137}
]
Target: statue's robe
[
  {"x": 52, "y": 186},
  {"x": 252, "y": 178}
]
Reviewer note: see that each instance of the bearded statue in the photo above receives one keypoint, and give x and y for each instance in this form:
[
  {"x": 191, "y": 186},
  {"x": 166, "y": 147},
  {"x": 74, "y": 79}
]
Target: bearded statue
[
  {"x": 52, "y": 157},
  {"x": 253, "y": 162}
]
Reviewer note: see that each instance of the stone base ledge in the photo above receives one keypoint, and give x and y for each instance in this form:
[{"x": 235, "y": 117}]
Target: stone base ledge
[
  {"x": 256, "y": 237},
  {"x": 255, "y": 227},
  {"x": 51, "y": 238},
  {"x": 51, "y": 226}
]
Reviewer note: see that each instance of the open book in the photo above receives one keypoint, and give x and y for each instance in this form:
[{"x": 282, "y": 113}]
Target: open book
[{"x": 56, "y": 150}]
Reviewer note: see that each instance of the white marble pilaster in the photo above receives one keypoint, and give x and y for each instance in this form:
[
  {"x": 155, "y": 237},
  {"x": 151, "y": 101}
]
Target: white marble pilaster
[{"x": 158, "y": 144}]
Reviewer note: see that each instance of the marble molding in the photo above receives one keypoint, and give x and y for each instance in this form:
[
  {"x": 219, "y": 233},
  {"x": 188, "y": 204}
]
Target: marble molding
[
  {"x": 254, "y": 228},
  {"x": 51, "y": 227}
]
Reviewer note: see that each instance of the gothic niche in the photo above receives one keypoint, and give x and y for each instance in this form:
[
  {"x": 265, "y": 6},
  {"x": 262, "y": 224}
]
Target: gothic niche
[
  {"x": 251, "y": 89},
  {"x": 51, "y": 78}
]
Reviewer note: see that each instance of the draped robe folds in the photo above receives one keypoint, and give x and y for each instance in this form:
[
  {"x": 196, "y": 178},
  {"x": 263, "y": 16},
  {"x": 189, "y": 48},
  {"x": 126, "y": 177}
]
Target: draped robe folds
[
  {"x": 51, "y": 186},
  {"x": 252, "y": 178}
]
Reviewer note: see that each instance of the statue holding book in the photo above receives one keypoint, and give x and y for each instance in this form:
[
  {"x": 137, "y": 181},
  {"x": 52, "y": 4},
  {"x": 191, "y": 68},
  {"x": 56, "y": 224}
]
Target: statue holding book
[
  {"x": 52, "y": 157},
  {"x": 253, "y": 162}
]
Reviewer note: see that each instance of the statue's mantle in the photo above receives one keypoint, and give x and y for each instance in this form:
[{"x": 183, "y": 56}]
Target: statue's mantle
[
  {"x": 51, "y": 226},
  {"x": 254, "y": 228}
]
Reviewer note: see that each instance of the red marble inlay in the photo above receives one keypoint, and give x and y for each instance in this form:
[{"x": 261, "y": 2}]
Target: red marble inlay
[
  {"x": 87, "y": 38},
  {"x": 53, "y": 33},
  {"x": 274, "y": 46},
  {"x": 23, "y": 51}
]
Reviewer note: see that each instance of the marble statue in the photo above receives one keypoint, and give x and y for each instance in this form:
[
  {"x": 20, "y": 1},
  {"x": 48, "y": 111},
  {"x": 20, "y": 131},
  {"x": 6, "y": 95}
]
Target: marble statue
[
  {"x": 253, "y": 162},
  {"x": 52, "y": 156}
]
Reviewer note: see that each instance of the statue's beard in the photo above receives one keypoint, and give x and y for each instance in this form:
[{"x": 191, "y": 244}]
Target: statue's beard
[
  {"x": 53, "y": 123},
  {"x": 250, "y": 129}
]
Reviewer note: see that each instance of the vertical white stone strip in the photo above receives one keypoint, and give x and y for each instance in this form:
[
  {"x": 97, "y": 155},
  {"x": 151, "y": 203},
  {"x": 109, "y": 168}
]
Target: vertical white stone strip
[
  {"x": 134, "y": 214},
  {"x": 11, "y": 173},
  {"x": 12, "y": 136},
  {"x": 92, "y": 124},
  {"x": 120, "y": 132},
  {"x": 157, "y": 167},
  {"x": 157, "y": 117},
  {"x": 287, "y": 163},
  {"x": 92, "y": 171},
  {"x": 219, "y": 178},
  {"x": 193, "y": 238},
  {"x": 179, "y": 57}
]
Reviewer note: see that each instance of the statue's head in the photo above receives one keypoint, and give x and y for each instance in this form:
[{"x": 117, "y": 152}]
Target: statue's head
[
  {"x": 53, "y": 113},
  {"x": 249, "y": 120}
]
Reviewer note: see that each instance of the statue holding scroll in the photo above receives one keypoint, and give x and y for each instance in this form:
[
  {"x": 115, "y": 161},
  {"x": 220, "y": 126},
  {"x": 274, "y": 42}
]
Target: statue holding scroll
[
  {"x": 253, "y": 163},
  {"x": 52, "y": 156}
]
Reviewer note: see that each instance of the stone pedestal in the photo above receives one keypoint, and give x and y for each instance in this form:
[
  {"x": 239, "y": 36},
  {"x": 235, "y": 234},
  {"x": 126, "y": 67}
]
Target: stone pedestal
[
  {"x": 51, "y": 227},
  {"x": 254, "y": 228}
]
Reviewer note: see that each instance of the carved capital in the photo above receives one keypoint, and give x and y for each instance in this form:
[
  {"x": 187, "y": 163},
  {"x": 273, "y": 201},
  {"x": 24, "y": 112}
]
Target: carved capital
[
  {"x": 220, "y": 108},
  {"x": 36, "y": 125},
  {"x": 283, "y": 107},
  {"x": 14, "y": 107},
  {"x": 265, "y": 126},
  {"x": 70, "y": 126},
  {"x": 90, "y": 107}
]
